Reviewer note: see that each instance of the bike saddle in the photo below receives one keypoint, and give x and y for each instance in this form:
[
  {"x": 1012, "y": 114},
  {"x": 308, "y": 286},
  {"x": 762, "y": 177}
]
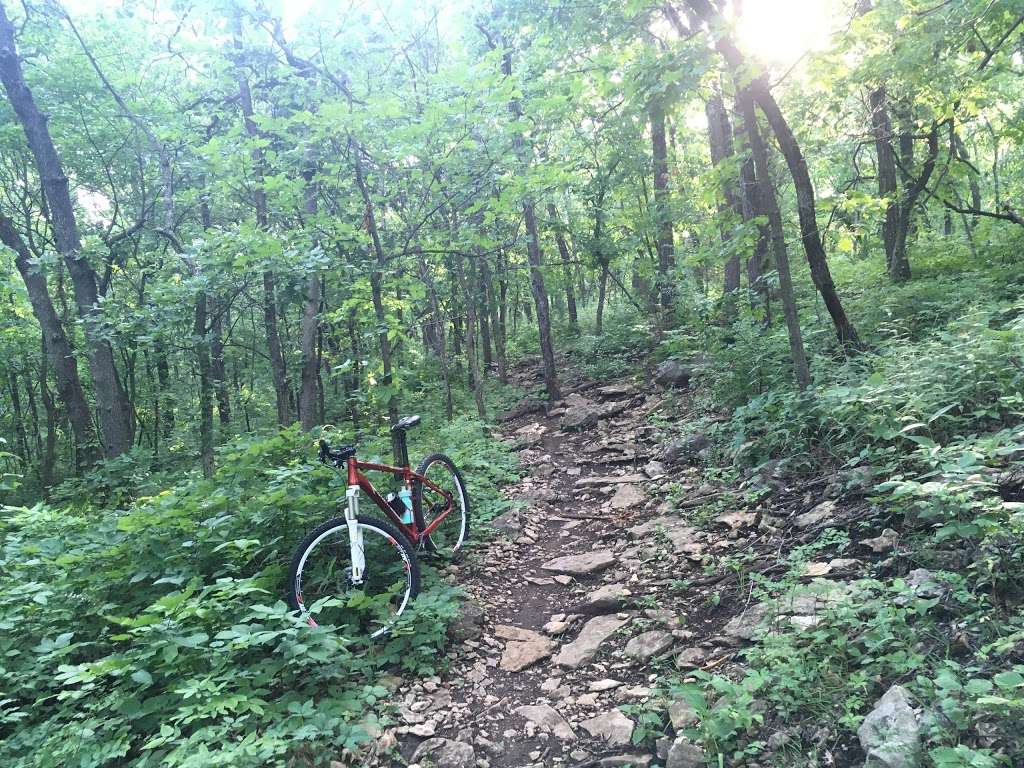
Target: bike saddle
[
  {"x": 406, "y": 422},
  {"x": 336, "y": 456}
]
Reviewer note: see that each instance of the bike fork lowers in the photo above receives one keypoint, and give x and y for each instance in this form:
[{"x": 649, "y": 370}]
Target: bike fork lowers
[{"x": 355, "y": 535}]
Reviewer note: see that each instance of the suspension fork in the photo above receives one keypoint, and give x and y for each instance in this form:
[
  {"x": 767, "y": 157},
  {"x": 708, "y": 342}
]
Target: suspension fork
[{"x": 355, "y": 535}]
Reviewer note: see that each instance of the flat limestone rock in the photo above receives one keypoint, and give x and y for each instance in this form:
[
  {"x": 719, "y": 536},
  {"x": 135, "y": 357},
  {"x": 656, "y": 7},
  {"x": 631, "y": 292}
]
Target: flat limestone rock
[
  {"x": 508, "y": 632},
  {"x": 599, "y": 480},
  {"x": 647, "y": 645},
  {"x": 612, "y": 727},
  {"x": 581, "y": 565},
  {"x": 616, "y": 390},
  {"x": 818, "y": 515},
  {"x": 584, "y": 647},
  {"x": 524, "y": 648},
  {"x": 607, "y": 599},
  {"x": 628, "y": 496},
  {"x": 680, "y": 535},
  {"x": 548, "y": 719}
]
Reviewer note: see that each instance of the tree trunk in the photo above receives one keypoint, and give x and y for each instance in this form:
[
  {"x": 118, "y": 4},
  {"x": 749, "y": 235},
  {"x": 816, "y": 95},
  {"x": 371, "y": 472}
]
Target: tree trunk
[
  {"x": 165, "y": 395},
  {"x": 767, "y": 204},
  {"x": 752, "y": 210},
  {"x": 602, "y": 293},
  {"x": 111, "y": 400},
  {"x": 49, "y": 456},
  {"x": 376, "y": 294},
  {"x": 483, "y": 314},
  {"x": 440, "y": 335},
  {"x": 662, "y": 210},
  {"x": 309, "y": 326},
  {"x": 881, "y": 128},
  {"x": 217, "y": 367},
  {"x": 278, "y": 369},
  {"x": 472, "y": 318},
  {"x": 720, "y": 144},
  {"x": 501, "y": 328},
  {"x": 567, "y": 276},
  {"x": 899, "y": 266},
  {"x": 58, "y": 348},
  {"x": 534, "y": 256},
  {"x": 806, "y": 206},
  {"x": 202, "y": 345}
]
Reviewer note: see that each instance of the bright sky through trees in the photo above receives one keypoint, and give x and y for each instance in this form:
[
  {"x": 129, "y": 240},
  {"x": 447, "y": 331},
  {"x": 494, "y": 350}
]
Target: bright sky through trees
[{"x": 781, "y": 31}]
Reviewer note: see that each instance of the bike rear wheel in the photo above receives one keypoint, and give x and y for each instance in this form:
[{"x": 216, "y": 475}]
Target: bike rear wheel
[
  {"x": 321, "y": 583},
  {"x": 447, "y": 539}
]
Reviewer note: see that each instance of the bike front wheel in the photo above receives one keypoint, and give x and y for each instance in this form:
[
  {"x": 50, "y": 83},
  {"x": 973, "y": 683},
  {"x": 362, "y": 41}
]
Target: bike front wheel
[
  {"x": 429, "y": 503},
  {"x": 356, "y": 580}
]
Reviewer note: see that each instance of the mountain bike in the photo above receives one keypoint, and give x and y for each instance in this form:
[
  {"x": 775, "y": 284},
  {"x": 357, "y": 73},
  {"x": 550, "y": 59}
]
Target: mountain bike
[{"x": 358, "y": 573}]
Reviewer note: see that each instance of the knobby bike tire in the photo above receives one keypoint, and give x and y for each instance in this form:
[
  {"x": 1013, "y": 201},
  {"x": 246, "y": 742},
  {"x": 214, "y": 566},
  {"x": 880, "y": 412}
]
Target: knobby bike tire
[
  {"x": 397, "y": 539},
  {"x": 417, "y": 502}
]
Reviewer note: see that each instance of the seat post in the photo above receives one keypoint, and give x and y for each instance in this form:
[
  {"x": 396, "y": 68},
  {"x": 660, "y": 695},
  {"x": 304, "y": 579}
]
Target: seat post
[{"x": 403, "y": 448}]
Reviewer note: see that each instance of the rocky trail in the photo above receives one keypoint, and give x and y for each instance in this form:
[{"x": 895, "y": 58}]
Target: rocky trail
[{"x": 594, "y": 590}]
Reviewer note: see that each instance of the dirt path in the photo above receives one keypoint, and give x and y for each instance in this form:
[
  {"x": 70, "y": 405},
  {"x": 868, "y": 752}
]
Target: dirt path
[{"x": 555, "y": 646}]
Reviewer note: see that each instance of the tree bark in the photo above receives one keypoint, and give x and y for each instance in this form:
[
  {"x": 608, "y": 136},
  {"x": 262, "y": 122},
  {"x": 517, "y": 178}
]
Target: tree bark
[
  {"x": 881, "y": 128},
  {"x": 662, "y": 211},
  {"x": 377, "y": 296},
  {"x": 309, "y": 326},
  {"x": 752, "y": 209},
  {"x": 806, "y": 205},
  {"x": 217, "y": 367},
  {"x": 278, "y": 369},
  {"x": 483, "y": 314},
  {"x": 534, "y": 256},
  {"x": 567, "y": 276},
  {"x": 58, "y": 348},
  {"x": 472, "y": 319},
  {"x": 440, "y": 334},
  {"x": 202, "y": 346},
  {"x": 768, "y": 205},
  {"x": 111, "y": 400},
  {"x": 721, "y": 146}
]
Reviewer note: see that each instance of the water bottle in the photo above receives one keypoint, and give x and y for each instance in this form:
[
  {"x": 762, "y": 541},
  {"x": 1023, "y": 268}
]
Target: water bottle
[{"x": 405, "y": 495}]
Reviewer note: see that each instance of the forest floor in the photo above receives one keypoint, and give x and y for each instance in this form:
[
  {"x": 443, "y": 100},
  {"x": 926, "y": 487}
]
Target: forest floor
[{"x": 594, "y": 591}]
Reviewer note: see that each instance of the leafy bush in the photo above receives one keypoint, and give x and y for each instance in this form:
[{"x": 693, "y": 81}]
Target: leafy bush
[{"x": 156, "y": 634}]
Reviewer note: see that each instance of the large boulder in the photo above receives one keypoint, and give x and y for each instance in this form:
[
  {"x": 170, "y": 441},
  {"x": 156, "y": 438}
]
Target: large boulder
[
  {"x": 580, "y": 413},
  {"x": 469, "y": 625},
  {"x": 674, "y": 374},
  {"x": 891, "y": 735},
  {"x": 686, "y": 449}
]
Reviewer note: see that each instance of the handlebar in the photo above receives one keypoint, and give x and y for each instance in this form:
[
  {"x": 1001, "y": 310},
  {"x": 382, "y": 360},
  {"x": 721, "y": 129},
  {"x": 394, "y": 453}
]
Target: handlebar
[{"x": 335, "y": 456}]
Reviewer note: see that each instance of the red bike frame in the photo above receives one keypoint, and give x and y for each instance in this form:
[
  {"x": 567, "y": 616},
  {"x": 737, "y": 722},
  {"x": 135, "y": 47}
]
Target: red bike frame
[{"x": 412, "y": 531}]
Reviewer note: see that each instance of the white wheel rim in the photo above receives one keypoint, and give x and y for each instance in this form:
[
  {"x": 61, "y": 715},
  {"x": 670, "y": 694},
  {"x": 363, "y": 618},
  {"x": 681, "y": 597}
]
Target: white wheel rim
[{"x": 363, "y": 529}]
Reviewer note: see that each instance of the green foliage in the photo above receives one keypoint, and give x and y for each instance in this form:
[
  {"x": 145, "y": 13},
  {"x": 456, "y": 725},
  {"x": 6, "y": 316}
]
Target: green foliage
[{"x": 157, "y": 633}]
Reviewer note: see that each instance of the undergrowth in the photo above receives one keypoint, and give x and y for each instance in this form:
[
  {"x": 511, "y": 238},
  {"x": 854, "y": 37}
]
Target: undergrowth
[{"x": 147, "y": 625}]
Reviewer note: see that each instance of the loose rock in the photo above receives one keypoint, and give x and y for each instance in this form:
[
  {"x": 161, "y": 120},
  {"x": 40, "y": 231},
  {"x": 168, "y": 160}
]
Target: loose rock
[
  {"x": 613, "y": 727},
  {"x": 445, "y": 753},
  {"x": 647, "y": 645},
  {"x": 890, "y": 735},
  {"x": 584, "y": 647},
  {"x": 581, "y": 565},
  {"x": 548, "y": 719}
]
